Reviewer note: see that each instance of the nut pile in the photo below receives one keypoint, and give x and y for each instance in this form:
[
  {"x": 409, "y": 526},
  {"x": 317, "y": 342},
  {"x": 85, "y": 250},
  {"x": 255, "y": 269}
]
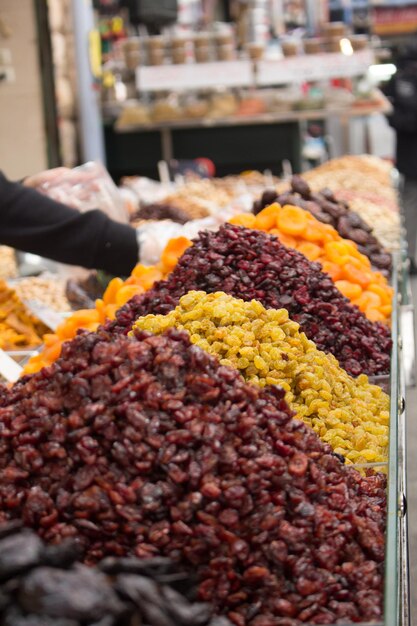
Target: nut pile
[
  {"x": 46, "y": 586},
  {"x": 340, "y": 258},
  {"x": 326, "y": 208},
  {"x": 148, "y": 446},
  {"x": 360, "y": 173},
  {"x": 268, "y": 349},
  {"x": 199, "y": 198},
  {"x": 47, "y": 291},
  {"x": 251, "y": 265}
]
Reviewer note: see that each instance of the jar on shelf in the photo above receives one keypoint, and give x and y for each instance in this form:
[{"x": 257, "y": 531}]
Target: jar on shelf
[
  {"x": 133, "y": 58},
  {"x": 255, "y": 50},
  {"x": 180, "y": 47},
  {"x": 202, "y": 40},
  {"x": 335, "y": 29},
  {"x": 332, "y": 44},
  {"x": 226, "y": 52},
  {"x": 156, "y": 57},
  {"x": 313, "y": 45},
  {"x": 132, "y": 43},
  {"x": 223, "y": 38},
  {"x": 179, "y": 55},
  {"x": 290, "y": 48},
  {"x": 157, "y": 42},
  {"x": 359, "y": 42},
  {"x": 132, "y": 53},
  {"x": 202, "y": 54}
]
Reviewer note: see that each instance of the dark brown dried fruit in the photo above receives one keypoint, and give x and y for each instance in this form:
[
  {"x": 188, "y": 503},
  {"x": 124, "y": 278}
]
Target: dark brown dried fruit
[{"x": 70, "y": 594}]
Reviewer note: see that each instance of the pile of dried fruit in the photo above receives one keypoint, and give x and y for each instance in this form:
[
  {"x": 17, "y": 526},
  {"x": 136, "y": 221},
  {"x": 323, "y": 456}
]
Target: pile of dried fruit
[
  {"x": 160, "y": 211},
  {"x": 46, "y": 586},
  {"x": 18, "y": 327},
  {"x": 117, "y": 293},
  {"x": 365, "y": 182},
  {"x": 368, "y": 354},
  {"x": 383, "y": 216},
  {"x": 149, "y": 446},
  {"x": 327, "y": 209},
  {"x": 360, "y": 173},
  {"x": 199, "y": 198},
  {"x": 252, "y": 265},
  {"x": 339, "y": 257},
  {"x": 268, "y": 349},
  {"x": 48, "y": 291}
]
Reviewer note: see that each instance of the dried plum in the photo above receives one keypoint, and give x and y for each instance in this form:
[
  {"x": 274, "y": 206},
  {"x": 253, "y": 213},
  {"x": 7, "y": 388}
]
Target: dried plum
[
  {"x": 62, "y": 596},
  {"x": 80, "y": 593},
  {"x": 18, "y": 552},
  {"x": 299, "y": 185}
]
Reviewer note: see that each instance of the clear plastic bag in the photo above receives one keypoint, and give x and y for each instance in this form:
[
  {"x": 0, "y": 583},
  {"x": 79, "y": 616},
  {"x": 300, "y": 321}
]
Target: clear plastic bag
[{"x": 84, "y": 188}]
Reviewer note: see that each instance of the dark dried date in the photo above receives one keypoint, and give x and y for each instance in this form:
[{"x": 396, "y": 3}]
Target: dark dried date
[{"x": 70, "y": 594}]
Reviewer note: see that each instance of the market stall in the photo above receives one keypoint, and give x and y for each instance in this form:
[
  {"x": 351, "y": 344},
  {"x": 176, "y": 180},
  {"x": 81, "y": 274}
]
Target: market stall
[{"x": 181, "y": 445}]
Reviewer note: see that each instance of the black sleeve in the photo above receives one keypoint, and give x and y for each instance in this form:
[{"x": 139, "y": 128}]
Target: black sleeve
[{"x": 32, "y": 222}]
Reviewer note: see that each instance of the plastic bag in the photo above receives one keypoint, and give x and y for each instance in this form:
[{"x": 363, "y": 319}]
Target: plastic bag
[
  {"x": 154, "y": 236},
  {"x": 147, "y": 190},
  {"x": 85, "y": 188}
]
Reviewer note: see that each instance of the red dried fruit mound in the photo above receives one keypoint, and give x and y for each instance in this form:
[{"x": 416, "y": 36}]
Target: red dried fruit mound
[
  {"x": 148, "y": 446},
  {"x": 250, "y": 264}
]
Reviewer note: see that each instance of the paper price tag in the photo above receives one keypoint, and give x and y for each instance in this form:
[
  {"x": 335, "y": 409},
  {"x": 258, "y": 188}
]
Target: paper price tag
[{"x": 9, "y": 369}]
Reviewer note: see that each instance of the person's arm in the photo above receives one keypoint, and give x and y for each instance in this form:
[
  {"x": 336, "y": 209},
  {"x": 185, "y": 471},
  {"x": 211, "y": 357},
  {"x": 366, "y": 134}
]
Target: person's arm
[{"x": 32, "y": 222}]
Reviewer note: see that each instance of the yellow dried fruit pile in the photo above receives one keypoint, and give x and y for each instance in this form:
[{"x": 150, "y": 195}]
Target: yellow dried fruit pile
[{"x": 268, "y": 348}]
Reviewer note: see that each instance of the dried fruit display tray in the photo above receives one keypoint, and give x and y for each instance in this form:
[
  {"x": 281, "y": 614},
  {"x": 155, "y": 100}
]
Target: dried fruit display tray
[{"x": 396, "y": 609}]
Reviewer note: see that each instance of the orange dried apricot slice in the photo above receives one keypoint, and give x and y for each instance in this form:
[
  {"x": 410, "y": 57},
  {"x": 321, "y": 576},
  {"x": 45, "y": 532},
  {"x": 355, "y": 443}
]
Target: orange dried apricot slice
[{"x": 292, "y": 220}]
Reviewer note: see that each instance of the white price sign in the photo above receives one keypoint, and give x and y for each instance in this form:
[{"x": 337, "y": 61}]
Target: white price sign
[
  {"x": 195, "y": 76},
  {"x": 9, "y": 369},
  {"x": 314, "y": 67}
]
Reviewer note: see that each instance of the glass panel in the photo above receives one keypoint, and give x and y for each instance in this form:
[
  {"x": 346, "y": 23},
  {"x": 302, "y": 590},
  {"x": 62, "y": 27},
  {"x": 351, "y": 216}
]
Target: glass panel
[{"x": 391, "y": 599}]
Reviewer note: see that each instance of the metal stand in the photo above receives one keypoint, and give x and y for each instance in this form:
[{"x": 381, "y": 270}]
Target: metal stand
[
  {"x": 403, "y": 565},
  {"x": 92, "y": 141}
]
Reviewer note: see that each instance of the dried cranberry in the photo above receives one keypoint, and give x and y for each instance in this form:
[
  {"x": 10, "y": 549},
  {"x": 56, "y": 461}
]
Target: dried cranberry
[{"x": 226, "y": 484}]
